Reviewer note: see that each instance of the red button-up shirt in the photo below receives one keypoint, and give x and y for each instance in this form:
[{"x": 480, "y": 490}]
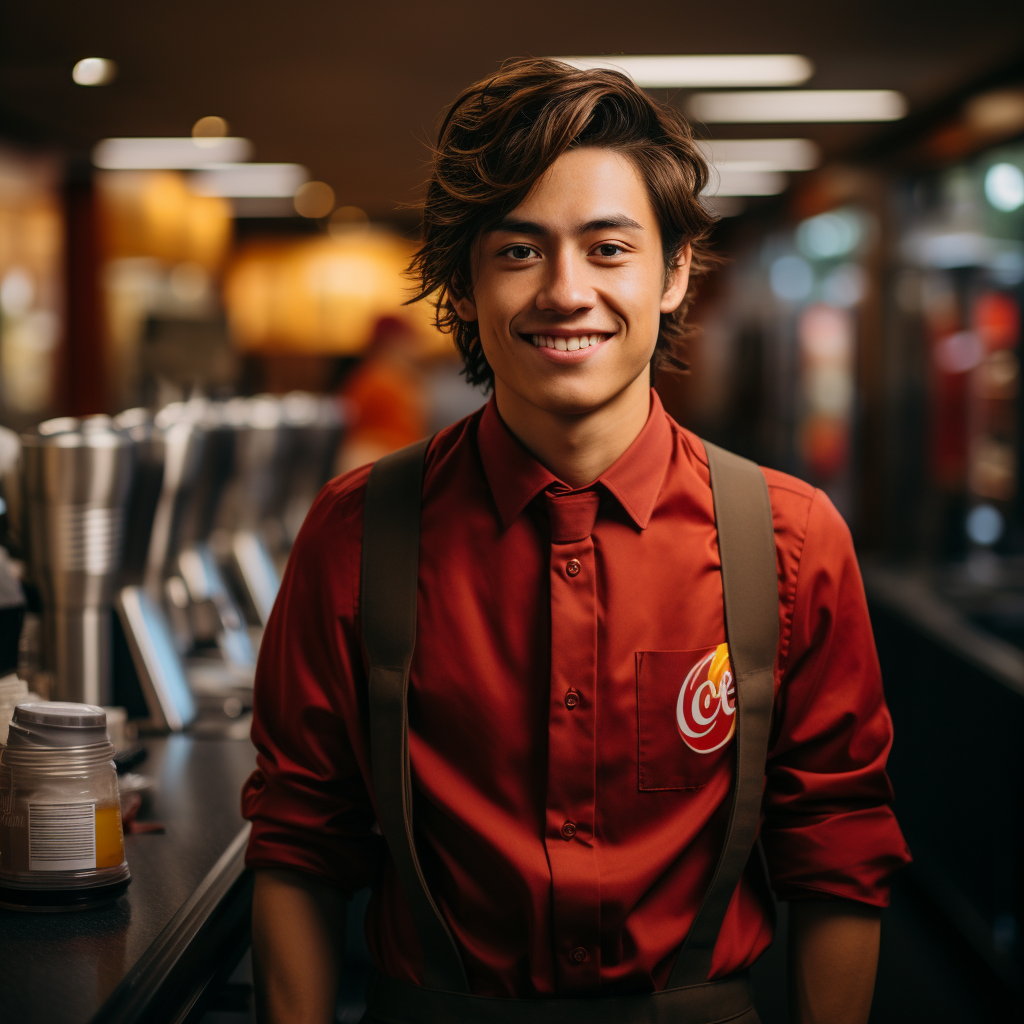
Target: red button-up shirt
[{"x": 569, "y": 808}]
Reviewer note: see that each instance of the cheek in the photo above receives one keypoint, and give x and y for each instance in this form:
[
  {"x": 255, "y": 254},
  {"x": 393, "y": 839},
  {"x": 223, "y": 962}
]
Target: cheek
[
  {"x": 497, "y": 303},
  {"x": 640, "y": 302},
  {"x": 642, "y": 290}
]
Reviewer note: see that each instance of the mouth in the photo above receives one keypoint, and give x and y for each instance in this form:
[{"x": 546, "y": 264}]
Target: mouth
[{"x": 568, "y": 342}]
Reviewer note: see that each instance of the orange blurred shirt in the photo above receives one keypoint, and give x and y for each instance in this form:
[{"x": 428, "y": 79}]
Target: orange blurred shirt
[{"x": 387, "y": 405}]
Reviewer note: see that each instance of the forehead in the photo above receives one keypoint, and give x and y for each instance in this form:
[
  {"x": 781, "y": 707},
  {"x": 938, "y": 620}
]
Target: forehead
[{"x": 586, "y": 184}]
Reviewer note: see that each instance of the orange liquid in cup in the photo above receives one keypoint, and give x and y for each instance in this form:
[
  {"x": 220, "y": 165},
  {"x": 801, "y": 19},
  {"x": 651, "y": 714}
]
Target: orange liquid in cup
[{"x": 109, "y": 837}]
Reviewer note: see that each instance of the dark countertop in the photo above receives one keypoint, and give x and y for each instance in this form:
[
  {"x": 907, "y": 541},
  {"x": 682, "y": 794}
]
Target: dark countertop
[{"x": 185, "y": 905}]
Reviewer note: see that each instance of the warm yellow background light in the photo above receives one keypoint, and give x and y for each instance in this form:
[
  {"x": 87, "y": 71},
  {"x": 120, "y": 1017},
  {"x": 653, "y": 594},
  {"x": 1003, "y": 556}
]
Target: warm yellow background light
[
  {"x": 153, "y": 213},
  {"x": 322, "y": 296}
]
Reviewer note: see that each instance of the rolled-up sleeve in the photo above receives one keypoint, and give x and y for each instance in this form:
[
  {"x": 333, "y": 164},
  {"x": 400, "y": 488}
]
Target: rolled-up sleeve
[
  {"x": 829, "y": 827},
  {"x": 308, "y": 800}
]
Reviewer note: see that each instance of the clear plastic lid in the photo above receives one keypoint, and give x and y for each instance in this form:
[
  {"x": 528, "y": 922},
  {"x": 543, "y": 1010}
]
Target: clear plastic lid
[{"x": 57, "y": 724}]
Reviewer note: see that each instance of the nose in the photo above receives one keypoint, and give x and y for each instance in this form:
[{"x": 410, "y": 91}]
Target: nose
[{"x": 565, "y": 289}]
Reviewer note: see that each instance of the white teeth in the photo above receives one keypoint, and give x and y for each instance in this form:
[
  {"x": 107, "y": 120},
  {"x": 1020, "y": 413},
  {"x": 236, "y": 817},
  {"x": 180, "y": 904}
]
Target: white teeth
[{"x": 566, "y": 344}]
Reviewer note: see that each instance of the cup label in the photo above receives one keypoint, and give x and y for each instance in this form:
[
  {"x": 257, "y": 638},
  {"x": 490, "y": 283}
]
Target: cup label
[{"x": 61, "y": 837}]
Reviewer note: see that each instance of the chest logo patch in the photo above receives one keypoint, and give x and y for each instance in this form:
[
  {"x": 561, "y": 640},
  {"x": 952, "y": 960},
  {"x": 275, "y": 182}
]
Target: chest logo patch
[{"x": 706, "y": 707}]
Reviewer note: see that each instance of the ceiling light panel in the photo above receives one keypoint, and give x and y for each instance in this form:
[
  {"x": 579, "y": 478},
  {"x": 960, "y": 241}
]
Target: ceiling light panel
[
  {"x": 762, "y": 154},
  {"x": 704, "y": 70},
  {"x": 249, "y": 181},
  {"x": 799, "y": 105},
  {"x": 159, "y": 154},
  {"x": 728, "y": 182}
]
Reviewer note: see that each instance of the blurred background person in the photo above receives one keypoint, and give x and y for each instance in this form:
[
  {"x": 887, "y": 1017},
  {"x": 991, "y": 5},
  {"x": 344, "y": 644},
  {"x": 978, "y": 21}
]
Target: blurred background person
[{"x": 385, "y": 396}]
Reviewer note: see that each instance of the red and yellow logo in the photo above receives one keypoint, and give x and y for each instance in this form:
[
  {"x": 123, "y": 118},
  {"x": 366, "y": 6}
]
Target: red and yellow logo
[{"x": 706, "y": 708}]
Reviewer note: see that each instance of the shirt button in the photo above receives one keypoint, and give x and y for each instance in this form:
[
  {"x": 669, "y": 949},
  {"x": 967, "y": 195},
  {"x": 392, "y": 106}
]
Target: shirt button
[
  {"x": 572, "y": 698},
  {"x": 568, "y": 830},
  {"x": 573, "y": 566},
  {"x": 580, "y": 955}
]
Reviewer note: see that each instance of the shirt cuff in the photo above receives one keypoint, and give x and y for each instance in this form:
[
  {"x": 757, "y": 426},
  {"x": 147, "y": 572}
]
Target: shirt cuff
[
  {"x": 851, "y": 855},
  {"x": 287, "y": 835}
]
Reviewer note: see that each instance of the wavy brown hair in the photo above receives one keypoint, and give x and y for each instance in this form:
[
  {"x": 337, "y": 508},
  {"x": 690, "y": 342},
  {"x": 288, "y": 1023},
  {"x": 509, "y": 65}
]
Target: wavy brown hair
[{"x": 504, "y": 132}]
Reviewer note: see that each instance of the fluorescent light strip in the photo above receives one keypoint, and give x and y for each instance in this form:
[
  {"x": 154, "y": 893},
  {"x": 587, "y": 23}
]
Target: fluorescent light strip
[
  {"x": 800, "y": 105},
  {"x": 762, "y": 154},
  {"x": 153, "y": 154},
  {"x": 704, "y": 70},
  {"x": 249, "y": 181},
  {"x": 745, "y": 183}
]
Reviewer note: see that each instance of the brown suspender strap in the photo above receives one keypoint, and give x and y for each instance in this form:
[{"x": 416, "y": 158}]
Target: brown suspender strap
[
  {"x": 388, "y": 608},
  {"x": 390, "y": 569},
  {"x": 750, "y": 592}
]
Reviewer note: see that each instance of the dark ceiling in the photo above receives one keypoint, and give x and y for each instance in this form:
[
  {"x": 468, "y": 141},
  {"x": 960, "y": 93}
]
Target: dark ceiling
[{"x": 355, "y": 91}]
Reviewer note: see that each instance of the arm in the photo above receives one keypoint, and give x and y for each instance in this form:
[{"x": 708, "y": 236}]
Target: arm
[
  {"x": 297, "y": 942},
  {"x": 833, "y": 954},
  {"x": 830, "y": 837},
  {"x": 312, "y": 841}
]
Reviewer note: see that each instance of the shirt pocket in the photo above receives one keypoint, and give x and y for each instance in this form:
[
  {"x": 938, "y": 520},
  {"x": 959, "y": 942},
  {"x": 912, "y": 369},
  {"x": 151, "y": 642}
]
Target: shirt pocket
[{"x": 686, "y": 704}]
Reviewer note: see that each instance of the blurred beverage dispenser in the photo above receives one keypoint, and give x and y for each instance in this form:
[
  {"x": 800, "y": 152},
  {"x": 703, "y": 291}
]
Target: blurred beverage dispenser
[
  {"x": 181, "y": 567},
  {"x": 180, "y": 520},
  {"x": 77, "y": 480}
]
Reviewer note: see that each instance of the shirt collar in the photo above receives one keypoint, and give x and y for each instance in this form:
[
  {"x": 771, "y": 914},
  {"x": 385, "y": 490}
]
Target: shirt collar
[{"x": 634, "y": 479}]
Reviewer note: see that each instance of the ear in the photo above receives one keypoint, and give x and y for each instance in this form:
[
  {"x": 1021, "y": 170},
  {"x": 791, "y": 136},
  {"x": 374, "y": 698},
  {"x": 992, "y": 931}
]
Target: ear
[
  {"x": 464, "y": 306},
  {"x": 678, "y": 279}
]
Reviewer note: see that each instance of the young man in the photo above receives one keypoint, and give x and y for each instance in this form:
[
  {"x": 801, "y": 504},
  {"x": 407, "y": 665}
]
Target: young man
[{"x": 570, "y": 807}]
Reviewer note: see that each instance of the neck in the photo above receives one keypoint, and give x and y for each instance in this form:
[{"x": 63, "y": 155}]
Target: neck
[{"x": 577, "y": 447}]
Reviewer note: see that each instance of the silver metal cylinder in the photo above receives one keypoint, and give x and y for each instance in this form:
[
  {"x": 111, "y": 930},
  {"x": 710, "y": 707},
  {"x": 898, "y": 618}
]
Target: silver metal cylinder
[
  {"x": 82, "y": 667},
  {"x": 318, "y": 421},
  {"x": 263, "y": 453},
  {"x": 77, "y": 479}
]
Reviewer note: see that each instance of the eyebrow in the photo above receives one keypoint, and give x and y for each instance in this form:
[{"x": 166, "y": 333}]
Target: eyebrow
[{"x": 511, "y": 225}]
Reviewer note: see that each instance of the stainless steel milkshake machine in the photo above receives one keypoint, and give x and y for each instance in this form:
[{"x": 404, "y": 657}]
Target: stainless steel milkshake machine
[
  {"x": 77, "y": 476},
  {"x": 181, "y": 521}
]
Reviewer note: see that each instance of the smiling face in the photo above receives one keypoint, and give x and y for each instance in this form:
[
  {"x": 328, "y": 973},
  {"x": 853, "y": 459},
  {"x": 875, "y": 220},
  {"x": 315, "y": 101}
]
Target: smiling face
[{"x": 569, "y": 287}]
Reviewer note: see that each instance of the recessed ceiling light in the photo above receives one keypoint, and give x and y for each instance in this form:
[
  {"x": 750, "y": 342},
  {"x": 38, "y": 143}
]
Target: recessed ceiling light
[
  {"x": 762, "y": 154},
  {"x": 144, "y": 154},
  {"x": 703, "y": 70},
  {"x": 209, "y": 129},
  {"x": 94, "y": 71},
  {"x": 314, "y": 199},
  {"x": 787, "y": 107},
  {"x": 249, "y": 181}
]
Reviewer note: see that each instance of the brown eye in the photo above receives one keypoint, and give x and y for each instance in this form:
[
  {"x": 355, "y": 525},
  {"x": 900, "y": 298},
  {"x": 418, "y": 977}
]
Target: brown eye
[
  {"x": 520, "y": 252},
  {"x": 609, "y": 249}
]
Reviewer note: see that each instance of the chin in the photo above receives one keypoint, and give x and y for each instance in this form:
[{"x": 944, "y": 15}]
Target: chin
[{"x": 573, "y": 398}]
